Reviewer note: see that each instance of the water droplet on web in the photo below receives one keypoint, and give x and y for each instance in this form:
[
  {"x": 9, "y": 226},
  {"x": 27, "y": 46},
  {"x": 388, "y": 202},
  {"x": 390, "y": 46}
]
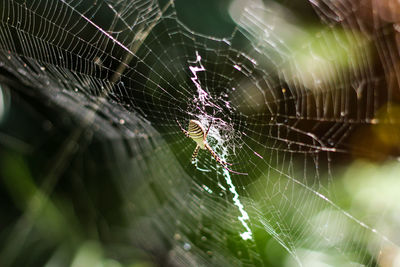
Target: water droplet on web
[
  {"x": 237, "y": 67},
  {"x": 187, "y": 246},
  {"x": 177, "y": 236},
  {"x": 22, "y": 71}
]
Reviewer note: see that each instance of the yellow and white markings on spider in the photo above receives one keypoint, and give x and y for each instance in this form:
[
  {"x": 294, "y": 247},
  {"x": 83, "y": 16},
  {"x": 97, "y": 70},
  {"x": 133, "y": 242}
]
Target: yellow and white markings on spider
[{"x": 198, "y": 134}]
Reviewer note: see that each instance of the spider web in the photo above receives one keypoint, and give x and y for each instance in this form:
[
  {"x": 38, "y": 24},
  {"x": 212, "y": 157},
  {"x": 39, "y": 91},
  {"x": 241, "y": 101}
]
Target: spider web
[{"x": 282, "y": 102}]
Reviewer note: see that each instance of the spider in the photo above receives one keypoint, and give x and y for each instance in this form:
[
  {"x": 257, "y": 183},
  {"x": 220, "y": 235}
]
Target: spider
[{"x": 197, "y": 132}]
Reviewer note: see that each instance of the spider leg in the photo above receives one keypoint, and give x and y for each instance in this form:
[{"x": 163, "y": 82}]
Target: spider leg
[
  {"x": 208, "y": 129},
  {"x": 216, "y": 157},
  {"x": 232, "y": 171},
  {"x": 221, "y": 162},
  {"x": 183, "y": 130},
  {"x": 194, "y": 155}
]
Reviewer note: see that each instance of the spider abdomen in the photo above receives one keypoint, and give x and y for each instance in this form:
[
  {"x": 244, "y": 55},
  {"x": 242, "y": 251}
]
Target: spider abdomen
[{"x": 197, "y": 133}]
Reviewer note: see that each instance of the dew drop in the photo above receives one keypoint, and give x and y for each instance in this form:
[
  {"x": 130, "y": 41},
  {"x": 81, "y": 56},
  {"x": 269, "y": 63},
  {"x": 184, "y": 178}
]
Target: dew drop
[
  {"x": 187, "y": 246},
  {"x": 177, "y": 236}
]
